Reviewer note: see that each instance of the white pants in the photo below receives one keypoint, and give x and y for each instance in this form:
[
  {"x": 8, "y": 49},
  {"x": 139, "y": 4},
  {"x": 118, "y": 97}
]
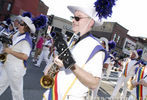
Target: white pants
[
  {"x": 68, "y": 97},
  {"x": 121, "y": 81},
  {"x": 44, "y": 55},
  {"x": 108, "y": 71},
  {"x": 0, "y": 67},
  {"x": 131, "y": 98},
  {"x": 10, "y": 77}
]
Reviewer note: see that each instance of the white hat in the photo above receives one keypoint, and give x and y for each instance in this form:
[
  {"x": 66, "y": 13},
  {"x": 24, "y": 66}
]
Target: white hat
[
  {"x": 90, "y": 11},
  {"x": 106, "y": 42},
  {"x": 29, "y": 23},
  {"x": 5, "y": 23},
  {"x": 18, "y": 18},
  {"x": 96, "y": 9}
]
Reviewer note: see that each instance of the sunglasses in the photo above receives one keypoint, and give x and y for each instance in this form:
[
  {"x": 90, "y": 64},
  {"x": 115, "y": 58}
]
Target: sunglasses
[
  {"x": 77, "y": 18},
  {"x": 22, "y": 24}
]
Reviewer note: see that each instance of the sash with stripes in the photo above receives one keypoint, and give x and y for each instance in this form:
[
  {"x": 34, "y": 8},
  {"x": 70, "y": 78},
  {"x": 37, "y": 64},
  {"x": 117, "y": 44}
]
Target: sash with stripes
[
  {"x": 125, "y": 71},
  {"x": 139, "y": 88},
  {"x": 53, "y": 94}
]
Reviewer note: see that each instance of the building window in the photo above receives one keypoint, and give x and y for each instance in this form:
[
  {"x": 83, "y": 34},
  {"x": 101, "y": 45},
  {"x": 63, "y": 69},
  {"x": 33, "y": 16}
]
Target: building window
[
  {"x": 9, "y": 7},
  {"x": 114, "y": 37},
  {"x": 56, "y": 29},
  {"x": 118, "y": 39}
]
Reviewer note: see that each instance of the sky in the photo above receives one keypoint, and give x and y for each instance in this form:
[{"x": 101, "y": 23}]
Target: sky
[{"x": 131, "y": 14}]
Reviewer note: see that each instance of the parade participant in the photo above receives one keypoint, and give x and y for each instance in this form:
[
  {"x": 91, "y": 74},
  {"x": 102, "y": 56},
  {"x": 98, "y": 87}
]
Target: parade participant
[
  {"x": 110, "y": 61},
  {"x": 39, "y": 47},
  {"x": 51, "y": 56},
  {"x": 128, "y": 72},
  {"x": 74, "y": 83},
  {"x": 40, "y": 21},
  {"x": 14, "y": 67},
  {"x": 4, "y": 27},
  {"x": 139, "y": 83},
  {"x": 104, "y": 43},
  {"x": 45, "y": 51},
  {"x": 111, "y": 45}
]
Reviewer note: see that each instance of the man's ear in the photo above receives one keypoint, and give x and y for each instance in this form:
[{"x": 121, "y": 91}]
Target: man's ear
[{"x": 91, "y": 23}]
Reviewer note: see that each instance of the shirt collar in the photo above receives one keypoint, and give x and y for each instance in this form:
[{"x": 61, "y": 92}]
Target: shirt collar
[{"x": 83, "y": 36}]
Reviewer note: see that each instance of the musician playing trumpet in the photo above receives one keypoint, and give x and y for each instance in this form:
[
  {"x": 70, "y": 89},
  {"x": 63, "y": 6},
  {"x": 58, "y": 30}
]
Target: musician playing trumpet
[{"x": 139, "y": 83}]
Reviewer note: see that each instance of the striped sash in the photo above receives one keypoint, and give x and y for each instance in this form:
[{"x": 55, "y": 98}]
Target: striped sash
[
  {"x": 139, "y": 88},
  {"x": 125, "y": 71},
  {"x": 53, "y": 94}
]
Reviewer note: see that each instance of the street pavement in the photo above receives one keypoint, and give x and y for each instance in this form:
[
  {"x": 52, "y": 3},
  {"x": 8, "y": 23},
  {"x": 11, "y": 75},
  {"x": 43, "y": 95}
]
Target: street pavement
[
  {"x": 32, "y": 87},
  {"x": 34, "y": 91}
]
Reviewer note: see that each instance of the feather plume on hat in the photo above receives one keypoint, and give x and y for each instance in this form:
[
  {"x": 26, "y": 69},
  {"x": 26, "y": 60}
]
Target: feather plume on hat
[
  {"x": 28, "y": 14},
  {"x": 111, "y": 45},
  {"x": 139, "y": 52},
  {"x": 104, "y": 8},
  {"x": 95, "y": 9},
  {"x": 40, "y": 21},
  {"x": 8, "y": 21}
]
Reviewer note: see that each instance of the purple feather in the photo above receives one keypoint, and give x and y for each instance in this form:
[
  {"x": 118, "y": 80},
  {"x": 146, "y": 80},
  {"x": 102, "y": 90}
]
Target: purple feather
[
  {"x": 8, "y": 21},
  {"x": 28, "y": 14},
  {"x": 111, "y": 45},
  {"x": 139, "y": 51},
  {"x": 104, "y": 8},
  {"x": 40, "y": 21}
]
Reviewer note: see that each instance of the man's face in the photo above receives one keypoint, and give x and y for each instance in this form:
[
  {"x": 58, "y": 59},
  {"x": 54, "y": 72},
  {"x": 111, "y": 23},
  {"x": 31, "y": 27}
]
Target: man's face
[
  {"x": 103, "y": 44},
  {"x": 78, "y": 26},
  {"x": 132, "y": 55}
]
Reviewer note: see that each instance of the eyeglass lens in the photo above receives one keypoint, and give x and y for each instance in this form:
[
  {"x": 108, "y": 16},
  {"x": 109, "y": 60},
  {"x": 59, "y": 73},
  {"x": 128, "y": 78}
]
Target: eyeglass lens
[{"x": 76, "y": 18}]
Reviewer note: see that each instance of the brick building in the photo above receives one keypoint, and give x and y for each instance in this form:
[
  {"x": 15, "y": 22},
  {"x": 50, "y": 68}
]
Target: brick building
[
  {"x": 112, "y": 31},
  {"x": 10, "y": 8}
]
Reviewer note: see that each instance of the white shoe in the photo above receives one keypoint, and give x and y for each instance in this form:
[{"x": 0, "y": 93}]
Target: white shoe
[
  {"x": 33, "y": 60},
  {"x": 37, "y": 65}
]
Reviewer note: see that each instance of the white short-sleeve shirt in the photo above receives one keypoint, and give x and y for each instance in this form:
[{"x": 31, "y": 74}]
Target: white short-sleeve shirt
[{"x": 81, "y": 52}]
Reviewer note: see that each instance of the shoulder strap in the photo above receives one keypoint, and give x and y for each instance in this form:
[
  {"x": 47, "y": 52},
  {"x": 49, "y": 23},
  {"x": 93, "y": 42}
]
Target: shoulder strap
[
  {"x": 95, "y": 50},
  {"x": 29, "y": 40}
]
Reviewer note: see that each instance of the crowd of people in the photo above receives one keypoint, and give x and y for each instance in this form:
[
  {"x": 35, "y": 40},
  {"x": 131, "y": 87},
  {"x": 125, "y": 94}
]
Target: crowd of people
[{"x": 92, "y": 57}]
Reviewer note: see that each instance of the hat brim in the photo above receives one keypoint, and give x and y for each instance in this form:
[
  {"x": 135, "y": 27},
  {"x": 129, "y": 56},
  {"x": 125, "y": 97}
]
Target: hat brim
[{"x": 88, "y": 11}]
